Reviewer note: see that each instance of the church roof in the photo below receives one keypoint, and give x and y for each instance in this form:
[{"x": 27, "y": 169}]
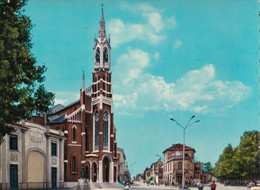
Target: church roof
[
  {"x": 55, "y": 109},
  {"x": 179, "y": 147},
  {"x": 56, "y": 119}
]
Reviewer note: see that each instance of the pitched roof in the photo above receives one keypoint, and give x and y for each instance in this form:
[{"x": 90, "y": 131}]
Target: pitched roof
[
  {"x": 59, "y": 107},
  {"x": 179, "y": 147},
  {"x": 55, "y": 109},
  {"x": 56, "y": 119}
]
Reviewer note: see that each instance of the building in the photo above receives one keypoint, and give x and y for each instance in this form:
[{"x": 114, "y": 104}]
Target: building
[
  {"x": 172, "y": 167},
  {"x": 32, "y": 158},
  {"x": 157, "y": 172},
  {"x": 122, "y": 166},
  {"x": 138, "y": 177},
  {"x": 147, "y": 175},
  {"x": 90, "y": 150},
  {"x": 197, "y": 172}
]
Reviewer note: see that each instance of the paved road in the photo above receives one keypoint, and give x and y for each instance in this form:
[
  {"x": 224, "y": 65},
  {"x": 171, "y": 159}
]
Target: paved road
[{"x": 140, "y": 186}]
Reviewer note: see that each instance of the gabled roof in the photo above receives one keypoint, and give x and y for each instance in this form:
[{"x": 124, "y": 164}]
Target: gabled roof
[{"x": 179, "y": 147}]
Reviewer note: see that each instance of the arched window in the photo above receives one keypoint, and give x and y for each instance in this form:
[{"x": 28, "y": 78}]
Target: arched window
[
  {"x": 105, "y": 130},
  {"x": 98, "y": 55},
  {"x": 73, "y": 164},
  {"x": 74, "y": 133},
  {"x": 105, "y": 55},
  {"x": 96, "y": 130}
]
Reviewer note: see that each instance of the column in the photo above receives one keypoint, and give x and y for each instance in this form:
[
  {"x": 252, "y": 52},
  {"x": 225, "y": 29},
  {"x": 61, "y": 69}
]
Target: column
[
  {"x": 24, "y": 160},
  {"x": 4, "y": 163},
  {"x": 100, "y": 172},
  {"x": 47, "y": 166},
  {"x": 111, "y": 172},
  {"x": 90, "y": 173}
]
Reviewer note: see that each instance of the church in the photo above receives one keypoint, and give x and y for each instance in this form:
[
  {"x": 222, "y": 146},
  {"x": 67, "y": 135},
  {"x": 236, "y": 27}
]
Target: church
[{"x": 90, "y": 145}]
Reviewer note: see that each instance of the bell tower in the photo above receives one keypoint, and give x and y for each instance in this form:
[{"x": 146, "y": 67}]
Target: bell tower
[{"x": 102, "y": 92}]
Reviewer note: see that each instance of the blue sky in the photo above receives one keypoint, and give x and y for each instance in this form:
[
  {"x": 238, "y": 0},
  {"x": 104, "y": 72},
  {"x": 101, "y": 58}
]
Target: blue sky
[{"x": 169, "y": 59}]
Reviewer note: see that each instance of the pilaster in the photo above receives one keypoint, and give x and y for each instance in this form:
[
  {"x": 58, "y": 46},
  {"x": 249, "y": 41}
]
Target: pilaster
[{"x": 100, "y": 172}]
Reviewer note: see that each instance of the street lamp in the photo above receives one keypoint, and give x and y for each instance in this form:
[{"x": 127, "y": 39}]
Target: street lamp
[{"x": 188, "y": 124}]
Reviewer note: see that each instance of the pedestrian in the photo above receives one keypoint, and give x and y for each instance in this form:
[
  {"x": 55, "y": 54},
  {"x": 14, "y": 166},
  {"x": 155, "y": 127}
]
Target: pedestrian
[
  {"x": 200, "y": 185},
  {"x": 127, "y": 185},
  {"x": 213, "y": 186}
]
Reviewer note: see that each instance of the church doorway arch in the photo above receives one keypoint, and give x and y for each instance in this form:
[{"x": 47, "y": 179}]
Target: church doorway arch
[
  {"x": 106, "y": 163},
  {"x": 94, "y": 167},
  {"x": 87, "y": 171}
]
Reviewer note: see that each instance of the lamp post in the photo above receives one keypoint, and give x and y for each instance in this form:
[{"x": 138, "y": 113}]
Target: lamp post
[{"x": 188, "y": 124}]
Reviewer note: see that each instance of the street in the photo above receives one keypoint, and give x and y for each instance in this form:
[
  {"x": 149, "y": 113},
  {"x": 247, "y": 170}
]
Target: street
[{"x": 142, "y": 186}]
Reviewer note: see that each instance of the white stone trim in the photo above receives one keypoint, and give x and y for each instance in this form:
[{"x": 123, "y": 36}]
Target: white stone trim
[
  {"x": 102, "y": 81},
  {"x": 83, "y": 133},
  {"x": 74, "y": 144},
  {"x": 103, "y": 91}
]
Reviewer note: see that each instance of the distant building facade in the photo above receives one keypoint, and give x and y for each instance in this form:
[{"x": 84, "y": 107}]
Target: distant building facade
[
  {"x": 90, "y": 149},
  {"x": 157, "y": 172},
  {"x": 122, "y": 165},
  {"x": 172, "y": 168},
  {"x": 32, "y": 158}
]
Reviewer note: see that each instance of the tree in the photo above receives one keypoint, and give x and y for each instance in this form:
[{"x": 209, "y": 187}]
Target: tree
[
  {"x": 207, "y": 167},
  {"x": 223, "y": 168},
  {"x": 246, "y": 158},
  {"x": 242, "y": 162},
  {"x": 21, "y": 88}
]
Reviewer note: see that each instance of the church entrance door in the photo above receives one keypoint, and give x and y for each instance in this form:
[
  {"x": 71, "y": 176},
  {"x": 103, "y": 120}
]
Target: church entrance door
[{"x": 105, "y": 170}]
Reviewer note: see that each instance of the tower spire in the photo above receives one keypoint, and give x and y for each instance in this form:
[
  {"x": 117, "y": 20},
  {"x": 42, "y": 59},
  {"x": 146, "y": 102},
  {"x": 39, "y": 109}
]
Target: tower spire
[
  {"x": 102, "y": 31},
  {"x": 83, "y": 79}
]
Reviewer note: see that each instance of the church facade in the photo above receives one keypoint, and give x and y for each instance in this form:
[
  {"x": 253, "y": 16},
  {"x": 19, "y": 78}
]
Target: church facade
[{"x": 90, "y": 150}]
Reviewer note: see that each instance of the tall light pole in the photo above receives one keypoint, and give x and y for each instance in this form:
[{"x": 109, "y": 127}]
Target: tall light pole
[{"x": 188, "y": 124}]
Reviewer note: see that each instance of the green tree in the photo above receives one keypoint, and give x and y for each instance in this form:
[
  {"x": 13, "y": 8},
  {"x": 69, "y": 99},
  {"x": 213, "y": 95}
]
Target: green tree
[
  {"x": 247, "y": 156},
  {"x": 21, "y": 88},
  {"x": 207, "y": 167},
  {"x": 243, "y": 161},
  {"x": 223, "y": 168}
]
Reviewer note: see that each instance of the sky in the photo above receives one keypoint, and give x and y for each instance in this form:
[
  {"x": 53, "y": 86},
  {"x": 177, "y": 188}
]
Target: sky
[{"x": 169, "y": 59}]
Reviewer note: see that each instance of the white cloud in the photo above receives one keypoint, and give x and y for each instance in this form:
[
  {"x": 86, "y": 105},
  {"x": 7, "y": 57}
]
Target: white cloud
[
  {"x": 60, "y": 101},
  {"x": 61, "y": 97},
  {"x": 150, "y": 31},
  {"x": 177, "y": 44},
  {"x": 125, "y": 100},
  {"x": 196, "y": 91},
  {"x": 130, "y": 65}
]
